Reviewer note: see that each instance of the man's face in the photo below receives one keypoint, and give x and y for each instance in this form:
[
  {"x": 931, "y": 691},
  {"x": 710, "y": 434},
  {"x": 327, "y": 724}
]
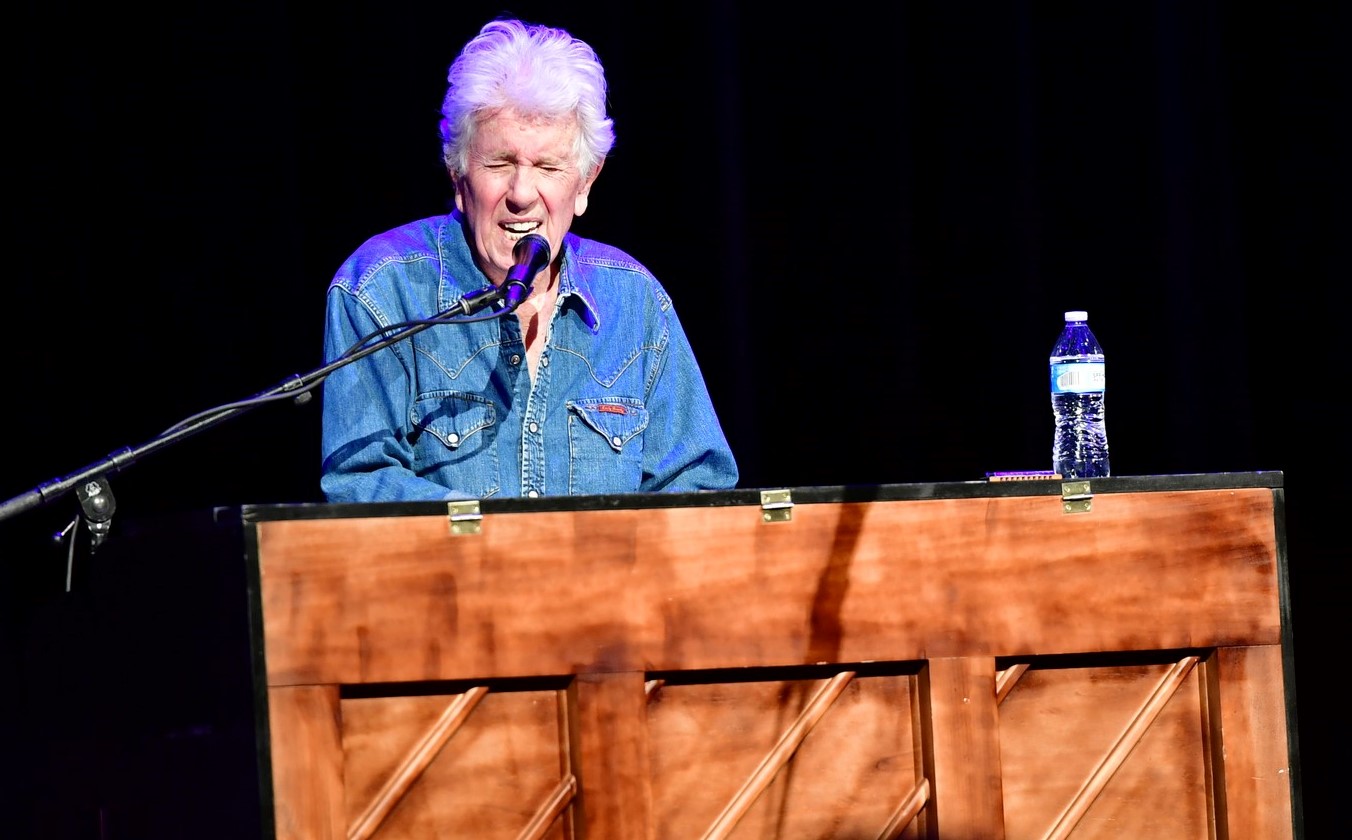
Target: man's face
[{"x": 522, "y": 178}]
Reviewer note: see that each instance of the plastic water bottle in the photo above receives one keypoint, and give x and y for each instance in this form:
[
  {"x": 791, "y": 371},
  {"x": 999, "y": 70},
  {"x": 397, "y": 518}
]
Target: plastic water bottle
[{"x": 1080, "y": 445}]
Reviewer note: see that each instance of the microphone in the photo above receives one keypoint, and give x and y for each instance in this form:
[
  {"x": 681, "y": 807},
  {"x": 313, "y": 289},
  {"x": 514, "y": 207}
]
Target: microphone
[{"x": 531, "y": 255}]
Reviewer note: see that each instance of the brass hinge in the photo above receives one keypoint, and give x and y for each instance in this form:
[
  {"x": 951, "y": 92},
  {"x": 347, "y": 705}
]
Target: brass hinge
[
  {"x": 1076, "y": 497},
  {"x": 776, "y": 505},
  {"x": 465, "y": 517}
]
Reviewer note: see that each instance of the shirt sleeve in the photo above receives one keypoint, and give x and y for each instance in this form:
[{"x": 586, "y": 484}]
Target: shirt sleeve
[{"x": 687, "y": 450}]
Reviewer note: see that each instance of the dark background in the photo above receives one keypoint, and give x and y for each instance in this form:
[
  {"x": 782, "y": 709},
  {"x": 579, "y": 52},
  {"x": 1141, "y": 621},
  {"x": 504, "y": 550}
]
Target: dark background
[{"x": 870, "y": 218}]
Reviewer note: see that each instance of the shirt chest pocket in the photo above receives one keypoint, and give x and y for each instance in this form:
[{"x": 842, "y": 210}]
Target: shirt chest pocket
[
  {"x": 453, "y": 437},
  {"x": 605, "y": 445}
]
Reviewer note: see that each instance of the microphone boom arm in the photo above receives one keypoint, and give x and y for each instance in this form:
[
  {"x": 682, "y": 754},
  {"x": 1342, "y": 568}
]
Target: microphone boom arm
[{"x": 297, "y": 389}]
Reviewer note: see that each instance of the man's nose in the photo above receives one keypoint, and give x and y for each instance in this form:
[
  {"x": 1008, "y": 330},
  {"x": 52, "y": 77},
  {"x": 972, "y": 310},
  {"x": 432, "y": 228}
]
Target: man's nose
[{"x": 522, "y": 189}]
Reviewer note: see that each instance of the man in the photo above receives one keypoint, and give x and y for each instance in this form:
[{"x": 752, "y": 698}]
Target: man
[{"x": 588, "y": 386}]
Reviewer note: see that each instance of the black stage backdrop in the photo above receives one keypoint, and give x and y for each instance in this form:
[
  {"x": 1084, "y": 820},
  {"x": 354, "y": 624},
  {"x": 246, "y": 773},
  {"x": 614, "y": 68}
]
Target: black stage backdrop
[{"x": 870, "y": 219}]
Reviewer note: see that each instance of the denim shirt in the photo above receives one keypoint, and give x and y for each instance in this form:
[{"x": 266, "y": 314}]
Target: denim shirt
[{"x": 618, "y": 403}]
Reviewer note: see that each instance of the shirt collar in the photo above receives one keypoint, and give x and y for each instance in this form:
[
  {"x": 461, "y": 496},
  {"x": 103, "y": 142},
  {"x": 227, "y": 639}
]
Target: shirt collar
[{"x": 577, "y": 283}]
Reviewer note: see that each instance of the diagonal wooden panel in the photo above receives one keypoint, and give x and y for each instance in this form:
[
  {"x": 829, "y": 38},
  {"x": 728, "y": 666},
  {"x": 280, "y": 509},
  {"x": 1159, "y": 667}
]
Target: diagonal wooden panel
[
  {"x": 1105, "y": 752},
  {"x": 849, "y": 775},
  {"x": 778, "y": 757},
  {"x": 415, "y": 762},
  {"x": 490, "y": 780}
]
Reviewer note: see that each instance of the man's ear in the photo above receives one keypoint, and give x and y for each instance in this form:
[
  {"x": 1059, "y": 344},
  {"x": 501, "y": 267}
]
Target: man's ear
[
  {"x": 584, "y": 189},
  {"x": 455, "y": 186}
]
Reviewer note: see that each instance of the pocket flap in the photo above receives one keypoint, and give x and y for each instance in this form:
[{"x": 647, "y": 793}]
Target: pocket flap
[
  {"x": 452, "y": 418},
  {"x": 617, "y": 419}
]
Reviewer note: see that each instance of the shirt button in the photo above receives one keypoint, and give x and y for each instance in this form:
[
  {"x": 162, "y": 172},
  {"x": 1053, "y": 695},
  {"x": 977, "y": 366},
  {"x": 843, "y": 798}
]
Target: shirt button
[
  {"x": 544, "y": 362},
  {"x": 453, "y": 438},
  {"x": 534, "y": 427},
  {"x": 516, "y": 358},
  {"x": 616, "y": 440},
  {"x": 534, "y": 494}
]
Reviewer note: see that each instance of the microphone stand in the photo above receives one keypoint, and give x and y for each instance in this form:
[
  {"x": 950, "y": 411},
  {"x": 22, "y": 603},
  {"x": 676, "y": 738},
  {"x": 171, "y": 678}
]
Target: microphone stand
[{"x": 94, "y": 491}]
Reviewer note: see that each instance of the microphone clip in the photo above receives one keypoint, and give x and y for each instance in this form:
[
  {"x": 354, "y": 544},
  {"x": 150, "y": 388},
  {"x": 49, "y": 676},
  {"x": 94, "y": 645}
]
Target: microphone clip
[
  {"x": 98, "y": 506},
  {"x": 477, "y": 300}
]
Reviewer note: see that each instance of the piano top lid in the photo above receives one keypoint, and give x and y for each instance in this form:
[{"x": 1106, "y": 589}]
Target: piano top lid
[{"x": 800, "y": 495}]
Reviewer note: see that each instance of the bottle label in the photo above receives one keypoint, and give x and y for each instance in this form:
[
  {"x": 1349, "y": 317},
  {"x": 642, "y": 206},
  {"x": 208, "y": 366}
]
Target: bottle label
[{"x": 1079, "y": 378}]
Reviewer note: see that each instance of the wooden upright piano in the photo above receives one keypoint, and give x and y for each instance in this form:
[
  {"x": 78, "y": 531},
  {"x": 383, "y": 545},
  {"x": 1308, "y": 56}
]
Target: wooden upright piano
[{"x": 965, "y": 661}]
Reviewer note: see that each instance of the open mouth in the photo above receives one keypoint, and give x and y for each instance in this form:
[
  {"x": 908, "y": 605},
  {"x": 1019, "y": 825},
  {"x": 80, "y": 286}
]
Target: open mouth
[{"x": 516, "y": 230}]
